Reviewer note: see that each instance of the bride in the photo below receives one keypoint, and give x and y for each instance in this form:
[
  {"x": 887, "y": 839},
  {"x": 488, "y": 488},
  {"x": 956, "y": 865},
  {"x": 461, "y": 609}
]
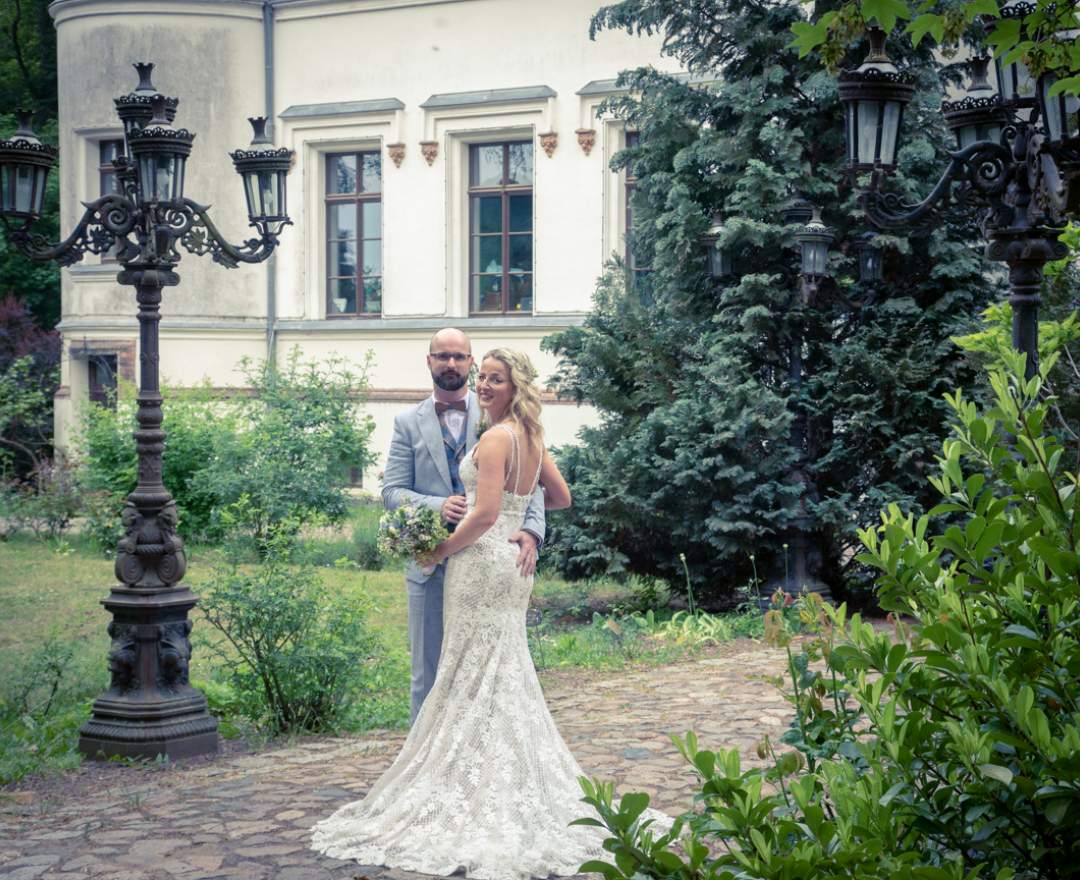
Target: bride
[{"x": 484, "y": 782}]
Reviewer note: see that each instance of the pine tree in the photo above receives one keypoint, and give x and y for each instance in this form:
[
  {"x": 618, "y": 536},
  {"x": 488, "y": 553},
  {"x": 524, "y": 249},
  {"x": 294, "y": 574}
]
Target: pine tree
[{"x": 692, "y": 378}]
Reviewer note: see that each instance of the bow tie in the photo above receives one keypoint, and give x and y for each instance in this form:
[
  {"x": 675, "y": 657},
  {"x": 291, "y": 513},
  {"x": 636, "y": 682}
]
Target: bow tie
[{"x": 441, "y": 407}]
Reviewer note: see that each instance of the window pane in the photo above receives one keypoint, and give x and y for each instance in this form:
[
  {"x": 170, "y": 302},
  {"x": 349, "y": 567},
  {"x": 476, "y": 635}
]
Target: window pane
[
  {"x": 521, "y": 213},
  {"x": 372, "y": 216},
  {"x": 343, "y": 258},
  {"x": 521, "y": 293},
  {"x": 521, "y": 253},
  {"x": 342, "y": 175},
  {"x": 109, "y": 151},
  {"x": 487, "y": 253},
  {"x": 109, "y": 183},
  {"x": 487, "y": 293},
  {"x": 373, "y": 257},
  {"x": 486, "y": 164},
  {"x": 372, "y": 173},
  {"x": 373, "y": 296},
  {"x": 343, "y": 220},
  {"x": 342, "y": 296},
  {"x": 521, "y": 164},
  {"x": 489, "y": 209}
]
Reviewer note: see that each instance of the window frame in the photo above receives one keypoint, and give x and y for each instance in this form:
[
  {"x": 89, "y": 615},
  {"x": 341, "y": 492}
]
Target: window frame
[
  {"x": 505, "y": 190},
  {"x": 359, "y": 197}
]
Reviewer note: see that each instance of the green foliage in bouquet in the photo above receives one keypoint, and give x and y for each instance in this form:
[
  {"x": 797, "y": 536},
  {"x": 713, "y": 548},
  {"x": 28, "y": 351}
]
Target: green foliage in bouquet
[
  {"x": 409, "y": 532},
  {"x": 948, "y": 747}
]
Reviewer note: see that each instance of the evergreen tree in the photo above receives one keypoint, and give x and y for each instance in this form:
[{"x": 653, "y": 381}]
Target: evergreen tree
[{"x": 693, "y": 378}]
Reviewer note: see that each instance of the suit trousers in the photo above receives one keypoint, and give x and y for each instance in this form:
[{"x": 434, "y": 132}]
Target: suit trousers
[{"x": 425, "y": 633}]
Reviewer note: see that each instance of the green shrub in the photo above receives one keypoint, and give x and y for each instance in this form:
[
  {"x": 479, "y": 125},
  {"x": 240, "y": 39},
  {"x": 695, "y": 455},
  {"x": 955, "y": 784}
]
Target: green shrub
[
  {"x": 280, "y": 454},
  {"x": 101, "y": 519},
  {"x": 295, "y": 655},
  {"x": 948, "y": 748},
  {"x": 194, "y": 422},
  {"x": 45, "y": 504},
  {"x": 302, "y": 432},
  {"x": 43, "y": 701}
]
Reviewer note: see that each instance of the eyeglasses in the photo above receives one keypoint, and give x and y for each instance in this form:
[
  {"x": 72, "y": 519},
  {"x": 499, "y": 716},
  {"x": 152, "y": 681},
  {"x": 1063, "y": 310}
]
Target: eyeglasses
[{"x": 444, "y": 357}]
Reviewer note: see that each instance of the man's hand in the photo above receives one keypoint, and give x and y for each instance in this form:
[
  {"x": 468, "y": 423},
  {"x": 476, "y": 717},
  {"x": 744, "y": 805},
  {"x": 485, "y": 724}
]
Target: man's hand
[
  {"x": 526, "y": 561},
  {"x": 454, "y": 509}
]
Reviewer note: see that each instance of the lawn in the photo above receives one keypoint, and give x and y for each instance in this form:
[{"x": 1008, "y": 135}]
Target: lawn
[{"x": 54, "y": 644}]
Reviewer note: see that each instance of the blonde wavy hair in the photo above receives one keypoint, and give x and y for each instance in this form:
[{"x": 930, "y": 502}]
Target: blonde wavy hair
[{"x": 525, "y": 404}]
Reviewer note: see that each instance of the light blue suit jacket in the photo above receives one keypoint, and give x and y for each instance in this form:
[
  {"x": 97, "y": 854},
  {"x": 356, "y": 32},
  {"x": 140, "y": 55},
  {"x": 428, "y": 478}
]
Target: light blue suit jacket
[{"x": 416, "y": 471}]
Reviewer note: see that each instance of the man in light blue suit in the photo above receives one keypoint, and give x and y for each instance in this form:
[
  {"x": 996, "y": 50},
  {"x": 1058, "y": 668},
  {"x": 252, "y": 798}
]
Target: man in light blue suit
[{"x": 430, "y": 440}]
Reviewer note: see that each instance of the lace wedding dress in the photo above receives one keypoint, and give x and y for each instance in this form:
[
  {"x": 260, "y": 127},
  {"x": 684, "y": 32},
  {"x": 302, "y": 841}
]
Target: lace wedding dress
[{"x": 484, "y": 782}]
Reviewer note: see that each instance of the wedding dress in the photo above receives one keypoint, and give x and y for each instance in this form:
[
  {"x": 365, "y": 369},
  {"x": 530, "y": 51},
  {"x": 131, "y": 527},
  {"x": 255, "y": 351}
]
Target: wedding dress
[{"x": 484, "y": 782}]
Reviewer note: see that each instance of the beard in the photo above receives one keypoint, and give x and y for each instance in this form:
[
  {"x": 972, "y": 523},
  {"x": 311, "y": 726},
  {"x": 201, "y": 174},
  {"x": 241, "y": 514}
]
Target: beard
[{"x": 450, "y": 381}]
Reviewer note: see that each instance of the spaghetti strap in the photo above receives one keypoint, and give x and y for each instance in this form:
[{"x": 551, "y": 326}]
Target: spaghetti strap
[
  {"x": 515, "y": 456},
  {"x": 539, "y": 467}
]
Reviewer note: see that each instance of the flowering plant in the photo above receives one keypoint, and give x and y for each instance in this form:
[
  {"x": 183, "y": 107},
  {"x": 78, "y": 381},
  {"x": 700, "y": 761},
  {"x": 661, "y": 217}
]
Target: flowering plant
[{"x": 410, "y": 532}]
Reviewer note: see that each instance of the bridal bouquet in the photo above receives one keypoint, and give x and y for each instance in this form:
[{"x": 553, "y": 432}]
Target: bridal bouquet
[{"x": 410, "y": 532}]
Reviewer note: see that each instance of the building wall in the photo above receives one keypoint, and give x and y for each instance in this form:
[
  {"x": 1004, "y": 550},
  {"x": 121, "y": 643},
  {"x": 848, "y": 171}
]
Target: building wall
[{"x": 431, "y": 75}]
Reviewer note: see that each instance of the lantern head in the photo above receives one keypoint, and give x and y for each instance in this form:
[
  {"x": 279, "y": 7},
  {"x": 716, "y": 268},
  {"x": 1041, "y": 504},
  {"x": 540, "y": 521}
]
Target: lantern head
[
  {"x": 263, "y": 169},
  {"x": 160, "y": 153},
  {"x": 978, "y": 115},
  {"x": 874, "y": 96},
  {"x": 718, "y": 257},
  {"x": 871, "y": 259},
  {"x": 24, "y": 167},
  {"x": 1016, "y": 85},
  {"x": 135, "y": 109},
  {"x": 814, "y": 240}
]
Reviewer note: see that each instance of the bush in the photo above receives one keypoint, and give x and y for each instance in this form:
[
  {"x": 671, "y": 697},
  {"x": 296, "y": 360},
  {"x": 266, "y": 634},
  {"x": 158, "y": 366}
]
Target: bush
[
  {"x": 949, "y": 747},
  {"x": 280, "y": 454},
  {"x": 193, "y": 421},
  {"x": 302, "y": 432},
  {"x": 45, "y": 504},
  {"x": 42, "y": 704},
  {"x": 295, "y": 656}
]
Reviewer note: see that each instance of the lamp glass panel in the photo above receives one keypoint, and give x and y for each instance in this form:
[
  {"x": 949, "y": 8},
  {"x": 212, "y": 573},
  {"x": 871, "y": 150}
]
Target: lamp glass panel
[
  {"x": 813, "y": 257},
  {"x": 164, "y": 175},
  {"x": 39, "y": 189},
  {"x": 250, "y": 196},
  {"x": 852, "y": 133},
  {"x": 7, "y": 191},
  {"x": 24, "y": 188},
  {"x": 719, "y": 263},
  {"x": 267, "y": 194},
  {"x": 890, "y": 130},
  {"x": 283, "y": 209},
  {"x": 869, "y": 113}
]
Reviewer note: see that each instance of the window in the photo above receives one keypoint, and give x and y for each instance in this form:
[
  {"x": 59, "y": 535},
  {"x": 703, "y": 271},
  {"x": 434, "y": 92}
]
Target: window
[
  {"x": 108, "y": 182},
  {"x": 354, "y": 234},
  {"x": 101, "y": 379},
  {"x": 501, "y": 228}
]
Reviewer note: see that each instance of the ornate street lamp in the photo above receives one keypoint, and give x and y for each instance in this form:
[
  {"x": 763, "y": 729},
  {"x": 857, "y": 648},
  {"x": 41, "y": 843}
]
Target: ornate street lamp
[
  {"x": 150, "y": 707},
  {"x": 1025, "y": 182},
  {"x": 1015, "y": 82},
  {"x": 718, "y": 257},
  {"x": 871, "y": 262},
  {"x": 874, "y": 96},
  {"x": 979, "y": 114},
  {"x": 24, "y": 167},
  {"x": 813, "y": 241}
]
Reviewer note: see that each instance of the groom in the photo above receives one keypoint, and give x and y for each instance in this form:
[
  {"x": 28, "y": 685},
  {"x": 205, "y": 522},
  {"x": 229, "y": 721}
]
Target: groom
[{"x": 430, "y": 440}]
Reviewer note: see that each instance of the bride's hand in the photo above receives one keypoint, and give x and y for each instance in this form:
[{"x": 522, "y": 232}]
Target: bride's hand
[{"x": 433, "y": 558}]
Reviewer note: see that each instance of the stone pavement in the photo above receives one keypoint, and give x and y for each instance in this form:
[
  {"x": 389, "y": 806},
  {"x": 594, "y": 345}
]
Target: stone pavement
[{"x": 248, "y": 817}]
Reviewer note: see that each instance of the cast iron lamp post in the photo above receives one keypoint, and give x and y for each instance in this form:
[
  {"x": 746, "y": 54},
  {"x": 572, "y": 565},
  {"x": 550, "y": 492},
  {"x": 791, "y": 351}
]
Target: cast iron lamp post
[
  {"x": 150, "y": 707},
  {"x": 1018, "y": 160}
]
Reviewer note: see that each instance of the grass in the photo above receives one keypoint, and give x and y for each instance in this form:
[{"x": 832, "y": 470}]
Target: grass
[{"x": 53, "y": 648}]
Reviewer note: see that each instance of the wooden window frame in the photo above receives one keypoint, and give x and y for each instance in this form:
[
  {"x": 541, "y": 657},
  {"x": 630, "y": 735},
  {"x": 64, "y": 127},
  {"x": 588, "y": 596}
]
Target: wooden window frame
[
  {"x": 359, "y": 197},
  {"x": 505, "y": 190}
]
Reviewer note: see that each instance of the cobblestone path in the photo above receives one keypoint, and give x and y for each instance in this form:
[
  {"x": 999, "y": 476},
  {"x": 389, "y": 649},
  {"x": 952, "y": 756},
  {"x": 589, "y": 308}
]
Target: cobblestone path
[{"x": 248, "y": 817}]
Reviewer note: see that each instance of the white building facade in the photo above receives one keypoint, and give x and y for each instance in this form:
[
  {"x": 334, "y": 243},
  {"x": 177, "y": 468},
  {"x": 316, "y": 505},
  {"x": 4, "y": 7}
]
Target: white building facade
[{"x": 450, "y": 170}]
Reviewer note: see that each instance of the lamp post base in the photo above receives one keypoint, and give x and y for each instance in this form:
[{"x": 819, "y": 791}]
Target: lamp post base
[
  {"x": 150, "y": 709},
  {"x": 107, "y": 734}
]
